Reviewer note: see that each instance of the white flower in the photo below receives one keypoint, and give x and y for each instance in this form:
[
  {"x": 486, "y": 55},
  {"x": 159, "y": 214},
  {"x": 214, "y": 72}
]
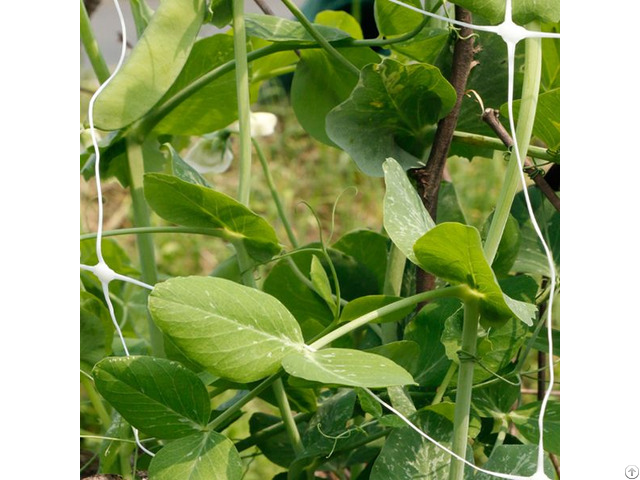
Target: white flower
[
  {"x": 211, "y": 154},
  {"x": 262, "y": 124}
]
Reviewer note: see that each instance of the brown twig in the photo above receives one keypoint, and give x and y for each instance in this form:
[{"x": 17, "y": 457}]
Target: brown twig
[
  {"x": 264, "y": 7},
  {"x": 490, "y": 117},
  {"x": 556, "y": 463},
  {"x": 428, "y": 178}
]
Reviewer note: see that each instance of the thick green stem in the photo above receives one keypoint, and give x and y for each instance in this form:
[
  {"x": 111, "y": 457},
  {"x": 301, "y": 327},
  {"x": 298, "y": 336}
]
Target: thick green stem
[
  {"x": 211, "y": 232},
  {"x": 244, "y": 102},
  {"x": 319, "y": 38},
  {"x": 460, "y": 291},
  {"x": 141, "y": 218},
  {"x": 91, "y": 46},
  {"x": 526, "y": 117},
  {"x": 274, "y": 194},
  {"x": 231, "y": 411},
  {"x": 287, "y": 417},
  {"x": 464, "y": 389},
  {"x": 497, "y": 144}
]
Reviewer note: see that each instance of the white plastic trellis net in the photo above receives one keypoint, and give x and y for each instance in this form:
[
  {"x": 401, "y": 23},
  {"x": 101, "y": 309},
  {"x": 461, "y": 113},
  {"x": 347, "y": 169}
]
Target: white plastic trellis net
[{"x": 511, "y": 34}]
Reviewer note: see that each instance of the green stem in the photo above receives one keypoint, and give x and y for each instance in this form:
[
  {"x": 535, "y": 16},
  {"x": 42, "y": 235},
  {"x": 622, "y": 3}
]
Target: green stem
[
  {"x": 445, "y": 383},
  {"x": 146, "y": 249},
  {"x": 496, "y": 144},
  {"x": 244, "y": 102},
  {"x": 269, "y": 432},
  {"x": 287, "y": 417},
  {"x": 320, "y": 39},
  {"x": 246, "y": 265},
  {"x": 526, "y": 117},
  {"x": 274, "y": 194},
  {"x": 212, "y": 232},
  {"x": 464, "y": 389},
  {"x": 96, "y": 401},
  {"x": 91, "y": 46},
  {"x": 231, "y": 411},
  {"x": 460, "y": 291}
]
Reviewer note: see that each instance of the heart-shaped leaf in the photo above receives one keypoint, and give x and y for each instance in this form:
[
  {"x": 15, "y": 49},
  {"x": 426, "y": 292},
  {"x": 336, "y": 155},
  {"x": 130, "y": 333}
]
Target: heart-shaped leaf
[
  {"x": 234, "y": 331},
  {"x": 160, "y": 397},
  {"x": 341, "y": 366},
  {"x": 392, "y": 112}
]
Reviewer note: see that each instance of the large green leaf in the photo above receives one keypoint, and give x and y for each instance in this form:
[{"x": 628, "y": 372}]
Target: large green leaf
[
  {"x": 212, "y": 107},
  {"x": 192, "y": 205},
  {"x": 526, "y": 419},
  {"x": 405, "y": 218},
  {"x": 453, "y": 252},
  {"x": 281, "y": 30},
  {"x": 513, "y": 460},
  {"x": 152, "y": 67},
  {"x": 203, "y": 456},
  {"x": 393, "y": 20},
  {"x": 160, "y": 397},
  {"x": 341, "y": 366},
  {"x": 234, "y": 331},
  {"x": 496, "y": 399},
  {"x": 406, "y": 454},
  {"x": 524, "y": 11},
  {"x": 392, "y": 112}
]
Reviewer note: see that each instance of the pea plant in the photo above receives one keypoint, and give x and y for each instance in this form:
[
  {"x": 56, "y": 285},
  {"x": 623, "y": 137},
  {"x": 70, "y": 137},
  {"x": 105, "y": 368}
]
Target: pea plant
[{"x": 426, "y": 348}]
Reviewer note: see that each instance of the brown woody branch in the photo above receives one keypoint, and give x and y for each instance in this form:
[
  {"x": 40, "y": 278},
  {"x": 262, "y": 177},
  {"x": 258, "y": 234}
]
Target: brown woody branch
[
  {"x": 428, "y": 178},
  {"x": 490, "y": 117}
]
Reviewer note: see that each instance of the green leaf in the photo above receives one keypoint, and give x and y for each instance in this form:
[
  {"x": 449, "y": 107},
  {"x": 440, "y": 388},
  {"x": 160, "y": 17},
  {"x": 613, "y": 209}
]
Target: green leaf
[
  {"x": 341, "y": 20},
  {"x": 426, "y": 329},
  {"x": 321, "y": 283},
  {"x": 281, "y": 30},
  {"x": 221, "y": 12},
  {"x": 159, "y": 397},
  {"x": 363, "y": 305},
  {"x": 368, "y": 248},
  {"x": 235, "y": 332},
  {"x": 546, "y": 125},
  {"x": 196, "y": 206},
  {"x": 508, "y": 247},
  {"x": 449, "y": 209},
  {"x": 152, "y": 66},
  {"x": 392, "y": 111},
  {"x": 330, "y": 420},
  {"x": 177, "y": 167},
  {"x": 542, "y": 343},
  {"x": 96, "y": 329},
  {"x": 341, "y": 366},
  {"x": 405, "y": 218},
  {"x": 201, "y": 456},
  {"x": 403, "y": 352},
  {"x": 495, "y": 400},
  {"x": 526, "y": 419},
  {"x": 524, "y": 11},
  {"x": 453, "y": 252},
  {"x": 514, "y": 460},
  {"x": 311, "y": 312},
  {"x": 320, "y": 83},
  {"x": 368, "y": 403},
  {"x": 214, "y": 106},
  {"x": 406, "y": 454},
  {"x": 277, "y": 448},
  {"x": 393, "y": 20}
]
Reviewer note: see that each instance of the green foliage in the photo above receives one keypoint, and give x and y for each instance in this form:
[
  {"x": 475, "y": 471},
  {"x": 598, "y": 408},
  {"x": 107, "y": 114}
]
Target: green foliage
[{"x": 270, "y": 350}]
